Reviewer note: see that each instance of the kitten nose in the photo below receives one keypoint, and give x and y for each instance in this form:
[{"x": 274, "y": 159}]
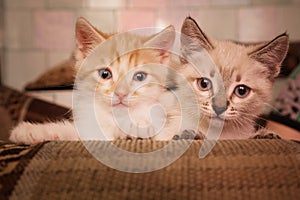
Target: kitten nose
[
  {"x": 219, "y": 110},
  {"x": 121, "y": 92},
  {"x": 120, "y": 95},
  {"x": 219, "y": 104}
]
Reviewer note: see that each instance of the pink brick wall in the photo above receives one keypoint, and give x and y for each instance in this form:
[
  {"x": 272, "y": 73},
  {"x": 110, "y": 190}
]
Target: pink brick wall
[
  {"x": 53, "y": 29},
  {"x": 148, "y": 4},
  {"x": 135, "y": 18},
  {"x": 42, "y": 31},
  {"x": 256, "y": 19}
]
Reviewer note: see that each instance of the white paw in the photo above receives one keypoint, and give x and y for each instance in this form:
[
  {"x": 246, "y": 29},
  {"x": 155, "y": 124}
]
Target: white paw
[{"x": 26, "y": 133}]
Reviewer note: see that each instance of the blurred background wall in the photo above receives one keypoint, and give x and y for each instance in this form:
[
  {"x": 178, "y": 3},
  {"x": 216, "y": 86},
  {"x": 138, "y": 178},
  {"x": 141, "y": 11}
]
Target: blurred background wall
[{"x": 40, "y": 33}]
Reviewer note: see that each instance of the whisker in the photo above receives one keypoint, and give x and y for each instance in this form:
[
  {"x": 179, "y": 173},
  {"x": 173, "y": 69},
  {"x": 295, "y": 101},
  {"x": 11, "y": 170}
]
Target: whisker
[
  {"x": 253, "y": 121},
  {"x": 254, "y": 116},
  {"x": 272, "y": 107}
]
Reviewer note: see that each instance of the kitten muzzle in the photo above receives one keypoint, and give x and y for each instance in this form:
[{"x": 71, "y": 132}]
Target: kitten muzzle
[
  {"x": 120, "y": 105},
  {"x": 219, "y": 104},
  {"x": 219, "y": 110}
]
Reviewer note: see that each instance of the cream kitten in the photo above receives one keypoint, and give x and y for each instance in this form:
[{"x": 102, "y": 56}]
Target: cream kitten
[
  {"x": 121, "y": 85},
  {"x": 233, "y": 81}
]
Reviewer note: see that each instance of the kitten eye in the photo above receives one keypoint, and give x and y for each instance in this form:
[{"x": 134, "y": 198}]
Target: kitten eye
[
  {"x": 105, "y": 73},
  {"x": 241, "y": 91},
  {"x": 140, "y": 76},
  {"x": 204, "y": 84}
]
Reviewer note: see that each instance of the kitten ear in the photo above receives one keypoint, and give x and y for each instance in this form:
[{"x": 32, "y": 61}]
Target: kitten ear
[
  {"x": 193, "y": 36},
  {"x": 87, "y": 37},
  {"x": 163, "y": 42},
  {"x": 272, "y": 54}
]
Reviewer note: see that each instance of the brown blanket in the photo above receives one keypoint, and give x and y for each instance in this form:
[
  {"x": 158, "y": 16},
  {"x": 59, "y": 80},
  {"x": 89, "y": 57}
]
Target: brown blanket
[{"x": 244, "y": 169}]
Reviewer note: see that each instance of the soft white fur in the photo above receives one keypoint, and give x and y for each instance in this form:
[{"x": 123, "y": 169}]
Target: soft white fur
[{"x": 30, "y": 133}]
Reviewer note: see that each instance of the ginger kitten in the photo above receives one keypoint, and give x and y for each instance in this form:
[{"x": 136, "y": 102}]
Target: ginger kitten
[
  {"x": 121, "y": 85},
  {"x": 233, "y": 80}
]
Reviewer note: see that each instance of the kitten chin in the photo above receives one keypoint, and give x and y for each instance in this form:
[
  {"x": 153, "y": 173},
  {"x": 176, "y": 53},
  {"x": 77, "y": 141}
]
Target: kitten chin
[{"x": 233, "y": 81}]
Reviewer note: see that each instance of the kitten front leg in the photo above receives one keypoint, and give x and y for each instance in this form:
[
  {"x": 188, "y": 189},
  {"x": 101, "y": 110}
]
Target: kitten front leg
[
  {"x": 265, "y": 134},
  {"x": 29, "y": 133}
]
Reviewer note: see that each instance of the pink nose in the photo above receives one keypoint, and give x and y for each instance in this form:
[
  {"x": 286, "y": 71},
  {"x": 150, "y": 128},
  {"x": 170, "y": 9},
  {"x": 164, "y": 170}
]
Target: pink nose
[
  {"x": 121, "y": 92},
  {"x": 120, "y": 95}
]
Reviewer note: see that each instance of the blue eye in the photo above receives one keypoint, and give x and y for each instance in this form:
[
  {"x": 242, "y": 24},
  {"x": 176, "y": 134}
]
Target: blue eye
[
  {"x": 105, "y": 73},
  {"x": 204, "y": 84},
  {"x": 140, "y": 76}
]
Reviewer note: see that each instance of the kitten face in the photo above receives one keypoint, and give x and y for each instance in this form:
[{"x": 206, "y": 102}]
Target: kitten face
[
  {"x": 130, "y": 85},
  {"x": 237, "y": 81},
  {"x": 126, "y": 73},
  {"x": 243, "y": 80}
]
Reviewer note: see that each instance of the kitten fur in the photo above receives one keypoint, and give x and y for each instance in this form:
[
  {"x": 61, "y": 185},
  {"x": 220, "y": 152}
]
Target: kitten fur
[
  {"x": 138, "y": 96},
  {"x": 231, "y": 65}
]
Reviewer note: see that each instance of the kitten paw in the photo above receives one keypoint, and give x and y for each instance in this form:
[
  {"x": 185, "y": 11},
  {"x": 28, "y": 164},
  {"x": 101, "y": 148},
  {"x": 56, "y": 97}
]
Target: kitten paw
[
  {"x": 25, "y": 133},
  {"x": 265, "y": 134},
  {"x": 190, "y": 135},
  {"x": 28, "y": 133}
]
